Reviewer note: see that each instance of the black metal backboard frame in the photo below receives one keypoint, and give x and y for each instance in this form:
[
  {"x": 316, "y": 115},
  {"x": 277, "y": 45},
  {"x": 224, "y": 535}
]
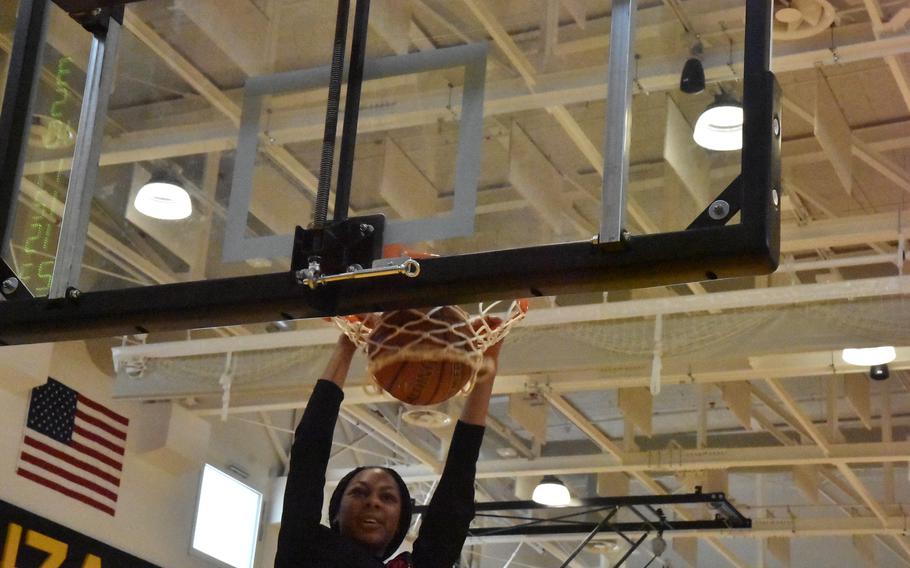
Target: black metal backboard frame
[
  {"x": 708, "y": 249},
  {"x": 589, "y": 517}
]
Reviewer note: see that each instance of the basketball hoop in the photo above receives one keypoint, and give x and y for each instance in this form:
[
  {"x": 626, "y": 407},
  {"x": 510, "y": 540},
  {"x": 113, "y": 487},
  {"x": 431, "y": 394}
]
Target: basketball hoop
[{"x": 425, "y": 356}]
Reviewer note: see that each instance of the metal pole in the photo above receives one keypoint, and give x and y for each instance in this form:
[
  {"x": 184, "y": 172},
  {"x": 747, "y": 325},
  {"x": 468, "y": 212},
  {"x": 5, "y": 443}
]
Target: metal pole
[
  {"x": 603, "y": 522},
  {"x": 19, "y": 94},
  {"x": 618, "y": 120},
  {"x": 99, "y": 78},
  {"x": 759, "y": 26},
  {"x": 632, "y": 549},
  {"x": 351, "y": 110},
  {"x": 331, "y": 115},
  {"x": 761, "y": 192}
]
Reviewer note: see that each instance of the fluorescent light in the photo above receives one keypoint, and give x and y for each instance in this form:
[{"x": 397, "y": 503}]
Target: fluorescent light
[
  {"x": 870, "y": 356},
  {"x": 227, "y": 519},
  {"x": 163, "y": 200},
  {"x": 720, "y": 127},
  {"x": 551, "y": 491}
]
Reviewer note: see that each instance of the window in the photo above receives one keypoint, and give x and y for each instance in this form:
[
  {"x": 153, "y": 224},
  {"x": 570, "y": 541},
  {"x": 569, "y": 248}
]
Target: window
[{"x": 227, "y": 519}]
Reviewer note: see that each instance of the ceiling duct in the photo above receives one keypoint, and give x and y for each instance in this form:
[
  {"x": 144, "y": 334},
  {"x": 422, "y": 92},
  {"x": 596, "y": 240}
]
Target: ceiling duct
[{"x": 799, "y": 19}]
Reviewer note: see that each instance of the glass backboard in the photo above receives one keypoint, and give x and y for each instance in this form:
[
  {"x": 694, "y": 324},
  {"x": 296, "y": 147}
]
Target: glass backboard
[{"x": 482, "y": 127}]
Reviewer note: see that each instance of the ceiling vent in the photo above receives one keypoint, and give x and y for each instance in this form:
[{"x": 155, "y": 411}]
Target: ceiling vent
[{"x": 798, "y": 19}]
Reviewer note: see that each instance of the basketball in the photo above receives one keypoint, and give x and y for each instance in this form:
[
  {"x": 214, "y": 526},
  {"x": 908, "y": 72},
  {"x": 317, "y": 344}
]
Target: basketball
[{"x": 421, "y": 357}]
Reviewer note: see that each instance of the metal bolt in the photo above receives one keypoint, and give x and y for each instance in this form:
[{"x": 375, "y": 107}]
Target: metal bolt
[
  {"x": 366, "y": 229},
  {"x": 775, "y": 126},
  {"x": 74, "y": 293},
  {"x": 719, "y": 210},
  {"x": 775, "y": 197},
  {"x": 10, "y": 285}
]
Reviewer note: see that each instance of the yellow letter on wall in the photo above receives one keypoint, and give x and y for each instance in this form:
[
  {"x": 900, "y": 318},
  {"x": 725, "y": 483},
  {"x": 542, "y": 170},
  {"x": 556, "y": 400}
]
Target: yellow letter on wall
[
  {"x": 55, "y": 549},
  {"x": 11, "y": 546}
]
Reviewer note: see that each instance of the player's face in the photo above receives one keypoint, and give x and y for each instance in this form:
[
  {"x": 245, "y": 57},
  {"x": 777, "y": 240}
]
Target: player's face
[{"x": 370, "y": 509}]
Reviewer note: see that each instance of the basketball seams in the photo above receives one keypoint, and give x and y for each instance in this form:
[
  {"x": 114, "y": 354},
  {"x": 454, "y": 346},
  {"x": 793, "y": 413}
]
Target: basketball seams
[
  {"x": 391, "y": 386},
  {"x": 426, "y": 356}
]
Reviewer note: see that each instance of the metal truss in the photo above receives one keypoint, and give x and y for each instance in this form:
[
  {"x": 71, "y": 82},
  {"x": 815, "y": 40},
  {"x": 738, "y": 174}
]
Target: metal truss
[{"x": 632, "y": 518}]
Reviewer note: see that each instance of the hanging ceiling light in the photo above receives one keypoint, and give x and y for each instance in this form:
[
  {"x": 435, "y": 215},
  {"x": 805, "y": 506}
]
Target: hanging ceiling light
[
  {"x": 869, "y": 356},
  {"x": 551, "y": 491},
  {"x": 720, "y": 127},
  {"x": 879, "y": 372},
  {"x": 692, "y": 79},
  {"x": 163, "y": 198}
]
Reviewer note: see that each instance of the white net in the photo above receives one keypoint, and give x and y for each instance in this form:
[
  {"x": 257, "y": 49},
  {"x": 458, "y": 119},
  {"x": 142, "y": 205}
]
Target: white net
[
  {"x": 682, "y": 333},
  {"x": 443, "y": 333}
]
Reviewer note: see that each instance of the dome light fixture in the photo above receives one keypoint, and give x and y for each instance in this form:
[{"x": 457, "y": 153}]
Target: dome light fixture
[
  {"x": 551, "y": 491},
  {"x": 163, "y": 199},
  {"x": 869, "y": 356},
  {"x": 720, "y": 127}
]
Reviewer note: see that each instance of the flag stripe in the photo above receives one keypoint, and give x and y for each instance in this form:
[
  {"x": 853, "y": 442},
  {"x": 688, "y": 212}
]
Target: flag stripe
[
  {"x": 103, "y": 410},
  {"x": 100, "y": 424},
  {"x": 96, "y": 454},
  {"x": 62, "y": 482},
  {"x": 86, "y": 427},
  {"x": 68, "y": 468},
  {"x": 29, "y": 441},
  {"x": 69, "y": 476},
  {"x": 89, "y": 444},
  {"x": 69, "y": 450},
  {"x": 97, "y": 416},
  {"x": 66, "y": 491},
  {"x": 100, "y": 440}
]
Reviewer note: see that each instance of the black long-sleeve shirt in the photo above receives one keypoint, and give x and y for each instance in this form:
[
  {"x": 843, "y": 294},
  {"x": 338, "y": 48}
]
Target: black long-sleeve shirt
[{"x": 304, "y": 542}]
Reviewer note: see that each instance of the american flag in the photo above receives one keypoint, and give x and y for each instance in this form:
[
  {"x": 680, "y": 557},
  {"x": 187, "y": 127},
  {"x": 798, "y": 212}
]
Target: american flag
[{"x": 73, "y": 445}]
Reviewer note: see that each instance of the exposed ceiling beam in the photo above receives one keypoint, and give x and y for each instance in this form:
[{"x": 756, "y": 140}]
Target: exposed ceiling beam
[
  {"x": 382, "y": 428},
  {"x": 560, "y": 113},
  {"x": 675, "y": 460},
  {"x": 503, "y": 96},
  {"x": 235, "y": 27},
  {"x": 898, "y": 71},
  {"x": 279, "y": 448},
  {"x": 828, "y": 448},
  {"x": 189, "y": 73},
  {"x": 862, "y": 150},
  {"x": 610, "y": 447},
  {"x": 801, "y": 418}
]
